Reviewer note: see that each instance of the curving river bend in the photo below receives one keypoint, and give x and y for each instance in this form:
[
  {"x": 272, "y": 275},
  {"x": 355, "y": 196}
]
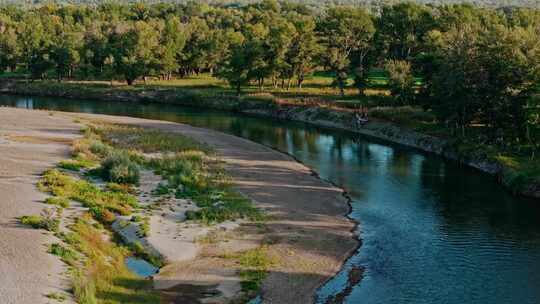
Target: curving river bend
[{"x": 432, "y": 232}]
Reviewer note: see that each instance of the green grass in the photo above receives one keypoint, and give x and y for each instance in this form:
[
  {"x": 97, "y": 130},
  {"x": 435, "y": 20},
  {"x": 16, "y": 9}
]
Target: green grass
[
  {"x": 48, "y": 221},
  {"x": 101, "y": 203},
  {"x": 76, "y": 164},
  {"x": 103, "y": 277},
  {"x": 56, "y": 296},
  {"x": 148, "y": 140},
  {"x": 58, "y": 201},
  {"x": 254, "y": 265},
  {"x": 519, "y": 172},
  {"x": 67, "y": 255},
  {"x": 191, "y": 176}
]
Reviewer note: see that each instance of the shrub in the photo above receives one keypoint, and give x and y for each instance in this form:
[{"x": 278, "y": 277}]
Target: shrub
[
  {"x": 119, "y": 168},
  {"x": 102, "y": 215},
  {"x": 34, "y": 221},
  {"x": 46, "y": 221},
  {"x": 99, "y": 148}
]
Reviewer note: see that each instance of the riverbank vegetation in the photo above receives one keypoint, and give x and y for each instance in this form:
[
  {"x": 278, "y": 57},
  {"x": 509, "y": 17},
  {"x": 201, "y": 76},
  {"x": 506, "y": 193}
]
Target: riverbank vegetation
[
  {"x": 99, "y": 187},
  {"x": 467, "y": 73}
]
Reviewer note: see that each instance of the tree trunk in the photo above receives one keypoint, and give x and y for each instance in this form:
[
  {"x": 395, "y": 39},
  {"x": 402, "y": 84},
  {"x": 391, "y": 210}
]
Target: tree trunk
[{"x": 238, "y": 89}]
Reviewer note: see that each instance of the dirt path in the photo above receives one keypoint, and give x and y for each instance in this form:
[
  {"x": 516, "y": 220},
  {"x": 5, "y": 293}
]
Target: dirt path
[
  {"x": 308, "y": 229},
  {"x": 30, "y": 142}
]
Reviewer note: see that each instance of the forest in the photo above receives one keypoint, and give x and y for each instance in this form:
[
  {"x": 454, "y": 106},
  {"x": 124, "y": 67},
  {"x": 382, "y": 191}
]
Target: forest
[{"x": 467, "y": 65}]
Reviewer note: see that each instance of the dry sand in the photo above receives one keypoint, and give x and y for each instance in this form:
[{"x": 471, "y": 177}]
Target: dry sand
[
  {"x": 30, "y": 142},
  {"x": 310, "y": 235}
]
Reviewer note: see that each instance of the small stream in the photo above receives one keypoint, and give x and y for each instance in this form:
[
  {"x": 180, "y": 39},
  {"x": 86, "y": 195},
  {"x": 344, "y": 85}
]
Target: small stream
[{"x": 432, "y": 231}]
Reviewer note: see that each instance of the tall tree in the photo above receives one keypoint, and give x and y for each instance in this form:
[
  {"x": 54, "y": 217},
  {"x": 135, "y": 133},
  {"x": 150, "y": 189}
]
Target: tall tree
[
  {"x": 9, "y": 46},
  {"x": 304, "y": 49},
  {"x": 345, "y": 31},
  {"x": 135, "y": 50},
  {"x": 65, "y": 53},
  {"x": 401, "y": 28}
]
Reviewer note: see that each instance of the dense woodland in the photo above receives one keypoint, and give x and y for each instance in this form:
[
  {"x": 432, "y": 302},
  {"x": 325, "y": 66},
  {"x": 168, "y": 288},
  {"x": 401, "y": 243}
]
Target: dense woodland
[{"x": 469, "y": 65}]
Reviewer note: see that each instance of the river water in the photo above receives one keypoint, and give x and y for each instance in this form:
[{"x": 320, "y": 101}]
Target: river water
[{"x": 432, "y": 232}]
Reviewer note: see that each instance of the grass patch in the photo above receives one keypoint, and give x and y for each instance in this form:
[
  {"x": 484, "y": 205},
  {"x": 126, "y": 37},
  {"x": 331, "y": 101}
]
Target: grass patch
[
  {"x": 77, "y": 164},
  {"x": 67, "y": 255},
  {"x": 254, "y": 265},
  {"x": 192, "y": 175},
  {"x": 103, "y": 277},
  {"x": 148, "y": 140},
  {"x": 101, "y": 203},
  {"x": 48, "y": 220},
  {"x": 56, "y": 296},
  {"x": 519, "y": 172},
  {"x": 144, "y": 224},
  {"x": 57, "y": 201}
]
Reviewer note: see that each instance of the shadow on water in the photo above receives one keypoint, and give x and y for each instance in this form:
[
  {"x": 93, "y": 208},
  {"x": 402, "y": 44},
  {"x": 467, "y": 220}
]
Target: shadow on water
[{"x": 432, "y": 232}]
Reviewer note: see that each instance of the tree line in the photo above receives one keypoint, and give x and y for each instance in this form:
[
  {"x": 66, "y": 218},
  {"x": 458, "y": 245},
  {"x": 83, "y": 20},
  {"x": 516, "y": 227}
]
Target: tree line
[{"x": 476, "y": 64}]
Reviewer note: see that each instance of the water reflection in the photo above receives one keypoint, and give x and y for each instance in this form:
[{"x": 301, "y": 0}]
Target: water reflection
[{"x": 432, "y": 232}]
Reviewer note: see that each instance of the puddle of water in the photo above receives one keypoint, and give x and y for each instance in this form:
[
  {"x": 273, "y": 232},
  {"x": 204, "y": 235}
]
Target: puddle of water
[
  {"x": 257, "y": 300},
  {"x": 141, "y": 267}
]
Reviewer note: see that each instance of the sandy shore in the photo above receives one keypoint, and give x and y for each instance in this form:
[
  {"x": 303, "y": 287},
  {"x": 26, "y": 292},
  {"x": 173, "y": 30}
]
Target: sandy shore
[
  {"x": 308, "y": 229},
  {"x": 30, "y": 142}
]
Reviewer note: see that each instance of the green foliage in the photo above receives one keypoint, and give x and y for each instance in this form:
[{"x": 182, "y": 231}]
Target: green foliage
[
  {"x": 148, "y": 140},
  {"x": 473, "y": 65},
  {"x": 104, "y": 271},
  {"x": 67, "y": 255},
  {"x": 58, "y": 201},
  {"x": 191, "y": 177},
  {"x": 119, "y": 168},
  {"x": 76, "y": 164},
  {"x": 35, "y": 221},
  {"x": 347, "y": 33},
  {"x": 102, "y": 203},
  {"x": 400, "y": 80},
  {"x": 254, "y": 265},
  {"x": 48, "y": 220}
]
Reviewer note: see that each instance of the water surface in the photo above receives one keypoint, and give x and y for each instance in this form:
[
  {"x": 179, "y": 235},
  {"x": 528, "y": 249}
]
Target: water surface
[
  {"x": 432, "y": 232},
  {"x": 141, "y": 267}
]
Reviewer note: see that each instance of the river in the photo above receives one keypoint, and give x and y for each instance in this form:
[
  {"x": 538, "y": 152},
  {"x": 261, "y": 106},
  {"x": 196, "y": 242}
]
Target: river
[{"x": 432, "y": 231}]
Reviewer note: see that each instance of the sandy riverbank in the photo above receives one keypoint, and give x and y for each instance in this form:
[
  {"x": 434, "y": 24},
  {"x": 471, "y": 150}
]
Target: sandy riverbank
[
  {"x": 30, "y": 142},
  {"x": 311, "y": 237}
]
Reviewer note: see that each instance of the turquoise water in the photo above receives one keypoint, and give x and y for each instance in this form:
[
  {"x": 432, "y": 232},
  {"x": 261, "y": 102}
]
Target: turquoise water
[
  {"x": 432, "y": 231},
  {"x": 141, "y": 267}
]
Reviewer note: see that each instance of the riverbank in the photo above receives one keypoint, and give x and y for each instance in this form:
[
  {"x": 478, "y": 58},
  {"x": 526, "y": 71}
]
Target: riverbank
[
  {"x": 306, "y": 231},
  {"x": 509, "y": 172},
  {"x": 29, "y": 144}
]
